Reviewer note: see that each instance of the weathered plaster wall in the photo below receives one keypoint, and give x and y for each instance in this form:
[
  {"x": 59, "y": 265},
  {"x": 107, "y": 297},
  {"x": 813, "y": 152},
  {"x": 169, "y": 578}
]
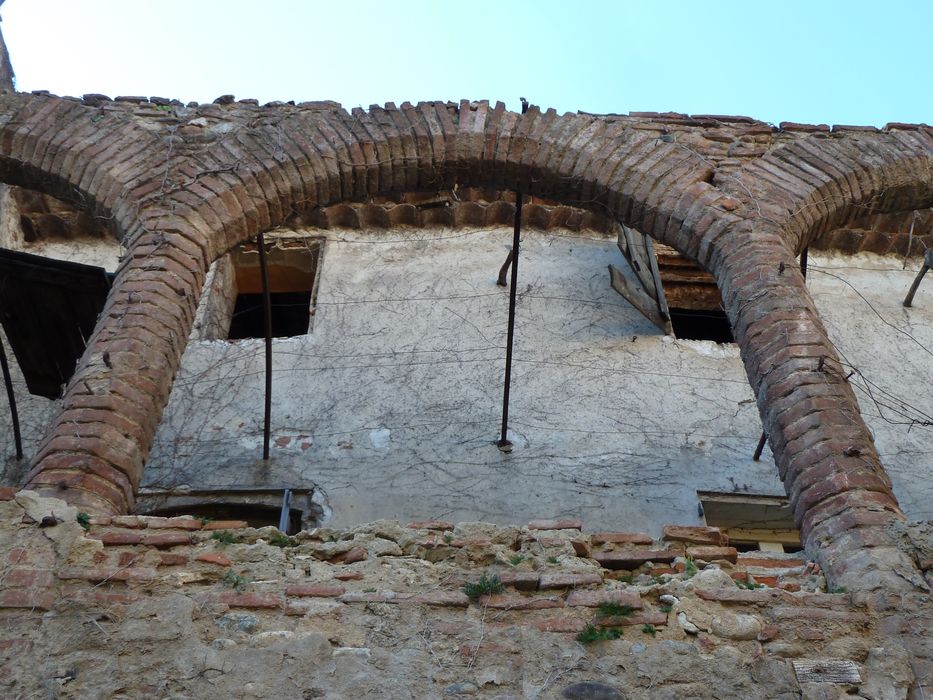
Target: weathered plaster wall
[{"x": 392, "y": 404}]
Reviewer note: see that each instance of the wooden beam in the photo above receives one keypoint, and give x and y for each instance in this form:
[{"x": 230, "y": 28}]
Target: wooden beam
[{"x": 637, "y": 297}]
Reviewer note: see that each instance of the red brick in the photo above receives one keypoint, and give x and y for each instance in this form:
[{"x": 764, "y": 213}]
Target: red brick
[
  {"x": 27, "y": 598},
  {"x": 97, "y": 596},
  {"x": 518, "y": 602},
  {"x": 119, "y": 537},
  {"x": 598, "y": 538},
  {"x": 565, "y": 524},
  {"x": 431, "y": 525},
  {"x": 764, "y": 562},
  {"x": 225, "y": 525},
  {"x": 172, "y": 559},
  {"x": 136, "y": 573},
  {"x": 314, "y": 590},
  {"x": 593, "y": 599},
  {"x": 644, "y": 618},
  {"x": 562, "y": 580},
  {"x": 179, "y": 523},
  {"x": 761, "y": 596},
  {"x": 694, "y": 535},
  {"x": 214, "y": 558},
  {"x": 569, "y": 625},
  {"x": 707, "y": 553},
  {"x": 127, "y": 558},
  {"x": 376, "y": 597},
  {"x": 27, "y": 578},
  {"x": 130, "y": 521},
  {"x": 349, "y": 576},
  {"x": 7, "y": 493},
  {"x": 520, "y": 580},
  {"x": 167, "y": 539},
  {"x": 632, "y": 559},
  {"x": 351, "y": 556}
]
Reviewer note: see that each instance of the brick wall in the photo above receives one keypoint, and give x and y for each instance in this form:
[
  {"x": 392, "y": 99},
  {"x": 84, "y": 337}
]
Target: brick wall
[
  {"x": 182, "y": 184},
  {"x": 215, "y": 609}
]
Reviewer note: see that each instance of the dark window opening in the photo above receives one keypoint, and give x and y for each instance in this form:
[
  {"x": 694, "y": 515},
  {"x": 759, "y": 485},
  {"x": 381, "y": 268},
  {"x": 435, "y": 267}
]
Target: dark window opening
[
  {"x": 292, "y": 266},
  {"x": 701, "y": 325},
  {"x": 752, "y": 522},
  {"x": 291, "y": 315}
]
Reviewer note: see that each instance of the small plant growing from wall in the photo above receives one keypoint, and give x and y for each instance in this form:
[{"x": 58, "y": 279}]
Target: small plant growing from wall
[
  {"x": 233, "y": 580},
  {"x": 280, "y": 540},
  {"x": 224, "y": 537},
  {"x": 609, "y": 609},
  {"x": 485, "y": 586},
  {"x": 84, "y": 520},
  {"x": 592, "y": 634}
]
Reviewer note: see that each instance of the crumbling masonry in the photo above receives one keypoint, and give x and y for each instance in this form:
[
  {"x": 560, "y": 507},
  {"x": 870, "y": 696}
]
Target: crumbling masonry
[{"x": 181, "y": 185}]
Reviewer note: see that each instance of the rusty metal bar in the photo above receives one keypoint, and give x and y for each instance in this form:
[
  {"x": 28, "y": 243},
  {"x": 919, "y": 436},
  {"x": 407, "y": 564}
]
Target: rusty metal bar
[
  {"x": 267, "y": 310},
  {"x": 11, "y": 397},
  {"x": 761, "y": 446},
  {"x": 927, "y": 264},
  {"x": 504, "y": 443}
]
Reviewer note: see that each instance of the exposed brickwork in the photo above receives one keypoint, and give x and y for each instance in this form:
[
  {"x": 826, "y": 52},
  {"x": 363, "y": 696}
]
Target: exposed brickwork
[
  {"x": 183, "y": 184},
  {"x": 235, "y": 588}
]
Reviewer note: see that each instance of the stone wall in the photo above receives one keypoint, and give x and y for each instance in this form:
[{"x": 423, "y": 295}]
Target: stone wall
[{"x": 144, "y": 607}]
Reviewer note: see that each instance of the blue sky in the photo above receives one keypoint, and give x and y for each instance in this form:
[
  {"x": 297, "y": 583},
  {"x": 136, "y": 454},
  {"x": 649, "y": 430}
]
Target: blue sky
[{"x": 853, "y": 62}]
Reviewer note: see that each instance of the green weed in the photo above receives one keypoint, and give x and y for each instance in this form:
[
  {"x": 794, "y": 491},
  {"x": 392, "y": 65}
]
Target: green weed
[
  {"x": 485, "y": 586},
  {"x": 592, "y": 634}
]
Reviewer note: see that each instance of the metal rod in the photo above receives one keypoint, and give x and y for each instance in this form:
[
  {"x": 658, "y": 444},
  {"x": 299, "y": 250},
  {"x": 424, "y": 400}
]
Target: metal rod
[
  {"x": 504, "y": 443},
  {"x": 761, "y": 446},
  {"x": 503, "y": 271},
  {"x": 267, "y": 310},
  {"x": 803, "y": 262},
  {"x": 909, "y": 299},
  {"x": 285, "y": 517},
  {"x": 8, "y": 381},
  {"x": 927, "y": 264}
]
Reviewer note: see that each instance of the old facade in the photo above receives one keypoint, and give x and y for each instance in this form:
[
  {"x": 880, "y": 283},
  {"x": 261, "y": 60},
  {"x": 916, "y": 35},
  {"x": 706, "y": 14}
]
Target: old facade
[{"x": 386, "y": 406}]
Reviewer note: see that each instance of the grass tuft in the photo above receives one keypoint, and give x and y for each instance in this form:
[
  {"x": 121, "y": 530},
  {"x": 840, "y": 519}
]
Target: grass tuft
[{"x": 485, "y": 586}]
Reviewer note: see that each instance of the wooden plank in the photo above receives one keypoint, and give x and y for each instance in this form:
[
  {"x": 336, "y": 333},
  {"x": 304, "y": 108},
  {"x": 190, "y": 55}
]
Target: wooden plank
[
  {"x": 827, "y": 671},
  {"x": 658, "y": 285},
  {"x": 634, "y": 251},
  {"x": 637, "y": 297}
]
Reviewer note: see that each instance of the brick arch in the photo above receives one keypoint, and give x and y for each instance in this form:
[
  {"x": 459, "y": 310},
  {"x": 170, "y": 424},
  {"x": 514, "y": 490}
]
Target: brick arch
[
  {"x": 81, "y": 155},
  {"x": 103, "y": 162},
  {"x": 255, "y": 177},
  {"x": 321, "y": 158},
  {"x": 816, "y": 184},
  {"x": 841, "y": 494}
]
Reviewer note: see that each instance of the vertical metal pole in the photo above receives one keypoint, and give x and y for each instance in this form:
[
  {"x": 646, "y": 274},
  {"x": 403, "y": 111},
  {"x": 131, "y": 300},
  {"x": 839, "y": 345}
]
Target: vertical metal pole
[
  {"x": 286, "y": 515},
  {"x": 8, "y": 381},
  {"x": 267, "y": 310},
  {"x": 761, "y": 446},
  {"x": 504, "y": 443},
  {"x": 927, "y": 264}
]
